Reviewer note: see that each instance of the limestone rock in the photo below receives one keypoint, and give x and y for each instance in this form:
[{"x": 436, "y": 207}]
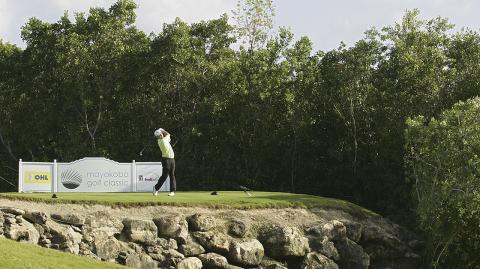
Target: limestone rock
[
  {"x": 141, "y": 261},
  {"x": 284, "y": 242},
  {"x": 100, "y": 226},
  {"x": 191, "y": 248},
  {"x": 190, "y": 263},
  {"x": 141, "y": 231},
  {"x": 35, "y": 217},
  {"x": 172, "y": 227},
  {"x": 334, "y": 230},
  {"x": 109, "y": 249},
  {"x": 213, "y": 241},
  {"x": 316, "y": 260},
  {"x": 328, "y": 249},
  {"x": 248, "y": 253},
  {"x": 157, "y": 256},
  {"x": 172, "y": 257},
  {"x": 24, "y": 232},
  {"x": 166, "y": 243},
  {"x": 352, "y": 255},
  {"x": 271, "y": 264},
  {"x": 72, "y": 219},
  {"x": 237, "y": 228},
  {"x": 63, "y": 236},
  {"x": 14, "y": 211},
  {"x": 201, "y": 222},
  {"x": 213, "y": 260},
  {"x": 354, "y": 231}
]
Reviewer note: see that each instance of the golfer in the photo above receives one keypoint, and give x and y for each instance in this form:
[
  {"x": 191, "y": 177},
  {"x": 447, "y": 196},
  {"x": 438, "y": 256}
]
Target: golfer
[{"x": 168, "y": 162}]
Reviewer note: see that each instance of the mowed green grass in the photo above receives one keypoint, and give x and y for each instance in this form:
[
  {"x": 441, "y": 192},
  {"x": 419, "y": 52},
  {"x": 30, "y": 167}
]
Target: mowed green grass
[
  {"x": 224, "y": 200},
  {"x": 15, "y": 255}
]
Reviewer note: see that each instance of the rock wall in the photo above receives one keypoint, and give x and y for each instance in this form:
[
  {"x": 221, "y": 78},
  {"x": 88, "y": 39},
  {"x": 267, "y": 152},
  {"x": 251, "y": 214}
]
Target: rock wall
[{"x": 213, "y": 239}]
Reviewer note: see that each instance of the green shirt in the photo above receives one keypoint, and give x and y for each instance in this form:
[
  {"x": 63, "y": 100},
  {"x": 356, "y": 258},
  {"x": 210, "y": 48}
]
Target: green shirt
[{"x": 165, "y": 147}]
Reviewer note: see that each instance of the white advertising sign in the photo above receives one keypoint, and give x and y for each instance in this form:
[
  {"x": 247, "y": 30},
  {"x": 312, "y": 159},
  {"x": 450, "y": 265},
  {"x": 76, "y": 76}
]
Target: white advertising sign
[
  {"x": 94, "y": 175},
  {"x": 147, "y": 176},
  {"x": 37, "y": 177}
]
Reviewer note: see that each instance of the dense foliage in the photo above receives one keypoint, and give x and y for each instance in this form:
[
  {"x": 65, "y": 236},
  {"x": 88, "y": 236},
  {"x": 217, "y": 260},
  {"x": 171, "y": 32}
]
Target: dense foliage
[
  {"x": 445, "y": 162},
  {"x": 273, "y": 116}
]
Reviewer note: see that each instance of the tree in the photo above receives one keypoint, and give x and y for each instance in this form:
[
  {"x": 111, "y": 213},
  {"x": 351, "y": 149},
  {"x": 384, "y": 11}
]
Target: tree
[
  {"x": 254, "y": 20},
  {"x": 445, "y": 166}
]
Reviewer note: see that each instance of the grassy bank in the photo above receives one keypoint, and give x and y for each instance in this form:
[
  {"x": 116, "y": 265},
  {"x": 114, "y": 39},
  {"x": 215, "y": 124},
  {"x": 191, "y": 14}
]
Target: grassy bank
[
  {"x": 224, "y": 199},
  {"x": 15, "y": 255}
]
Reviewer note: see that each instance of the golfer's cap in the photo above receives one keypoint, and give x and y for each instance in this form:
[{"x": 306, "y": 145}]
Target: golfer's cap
[{"x": 157, "y": 132}]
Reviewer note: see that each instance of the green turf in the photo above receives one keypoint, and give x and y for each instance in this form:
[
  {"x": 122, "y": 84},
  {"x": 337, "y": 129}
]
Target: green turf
[
  {"x": 225, "y": 199},
  {"x": 15, "y": 255}
]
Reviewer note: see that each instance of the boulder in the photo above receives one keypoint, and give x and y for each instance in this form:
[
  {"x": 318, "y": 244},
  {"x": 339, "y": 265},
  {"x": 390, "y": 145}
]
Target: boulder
[
  {"x": 14, "y": 211},
  {"x": 191, "y": 248},
  {"x": 18, "y": 219},
  {"x": 316, "y": 260},
  {"x": 249, "y": 253},
  {"x": 140, "y": 231},
  {"x": 172, "y": 257},
  {"x": 213, "y": 260},
  {"x": 172, "y": 227},
  {"x": 237, "y": 228},
  {"x": 284, "y": 242},
  {"x": 166, "y": 243},
  {"x": 100, "y": 226},
  {"x": 352, "y": 255},
  {"x": 35, "y": 217},
  {"x": 354, "y": 231},
  {"x": 63, "y": 236},
  {"x": 272, "y": 264},
  {"x": 324, "y": 246},
  {"x": 190, "y": 263},
  {"x": 201, "y": 222},
  {"x": 141, "y": 261},
  {"x": 24, "y": 232},
  {"x": 72, "y": 219},
  {"x": 9, "y": 218},
  {"x": 109, "y": 249},
  {"x": 213, "y": 241},
  {"x": 158, "y": 257},
  {"x": 334, "y": 230}
]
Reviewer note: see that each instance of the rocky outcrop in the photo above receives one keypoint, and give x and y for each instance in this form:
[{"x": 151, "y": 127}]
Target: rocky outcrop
[
  {"x": 284, "y": 242},
  {"x": 249, "y": 253},
  {"x": 237, "y": 228},
  {"x": 203, "y": 240},
  {"x": 316, "y": 260},
  {"x": 175, "y": 227},
  {"x": 140, "y": 231},
  {"x": 213, "y": 241},
  {"x": 200, "y": 222},
  {"x": 20, "y": 230},
  {"x": 190, "y": 263},
  {"x": 71, "y": 219}
]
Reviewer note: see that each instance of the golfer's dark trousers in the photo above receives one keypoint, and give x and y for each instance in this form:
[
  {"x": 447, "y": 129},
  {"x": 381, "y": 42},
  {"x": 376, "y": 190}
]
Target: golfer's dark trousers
[{"x": 168, "y": 165}]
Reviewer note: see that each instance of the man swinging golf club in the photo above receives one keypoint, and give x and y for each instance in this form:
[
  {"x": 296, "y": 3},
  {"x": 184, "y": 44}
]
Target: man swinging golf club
[{"x": 168, "y": 161}]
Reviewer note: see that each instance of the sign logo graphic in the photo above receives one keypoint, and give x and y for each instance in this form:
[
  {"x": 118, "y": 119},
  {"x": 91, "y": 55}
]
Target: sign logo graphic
[
  {"x": 71, "y": 179},
  {"x": 37, "y": 177}
]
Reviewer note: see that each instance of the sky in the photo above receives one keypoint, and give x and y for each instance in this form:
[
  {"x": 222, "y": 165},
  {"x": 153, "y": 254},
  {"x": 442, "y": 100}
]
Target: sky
[{"x": 325, "y": 22}]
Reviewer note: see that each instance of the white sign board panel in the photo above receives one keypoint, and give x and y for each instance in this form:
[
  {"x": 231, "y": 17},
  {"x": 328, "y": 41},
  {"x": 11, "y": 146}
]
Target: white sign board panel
[
  {"x": 147, "y": 176},
  {"x": 37, "y": 177},
  {"x": 94, "y": 175}
]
